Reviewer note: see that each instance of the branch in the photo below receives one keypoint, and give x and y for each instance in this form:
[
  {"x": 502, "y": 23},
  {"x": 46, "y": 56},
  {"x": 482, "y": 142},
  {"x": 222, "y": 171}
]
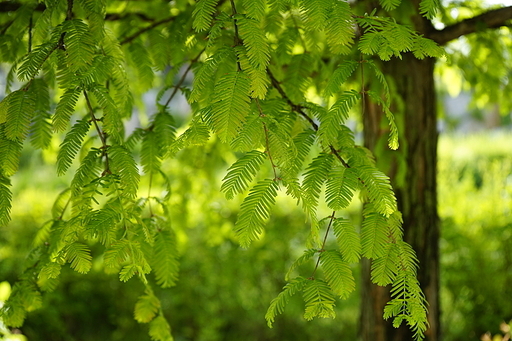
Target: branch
[
  {"x": 490, "y": 19},
  {"x": 145, "y": 29}
]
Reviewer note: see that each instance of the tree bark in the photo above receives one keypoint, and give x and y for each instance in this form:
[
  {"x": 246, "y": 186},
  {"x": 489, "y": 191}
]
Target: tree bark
[{"x": 413, "y": 175}]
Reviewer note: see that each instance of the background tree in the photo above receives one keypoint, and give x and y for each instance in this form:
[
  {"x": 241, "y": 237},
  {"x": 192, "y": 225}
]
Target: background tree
[{"x": 413, "y": 167}]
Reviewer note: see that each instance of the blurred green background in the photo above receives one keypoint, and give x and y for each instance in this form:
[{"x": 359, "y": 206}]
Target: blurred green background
[{"x": 224, "y": 290}]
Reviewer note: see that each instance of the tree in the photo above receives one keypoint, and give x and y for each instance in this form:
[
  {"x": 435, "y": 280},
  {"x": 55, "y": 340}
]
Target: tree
[
  {"x": 273, "y": 80},
  {"x": 413, "y": 167}
]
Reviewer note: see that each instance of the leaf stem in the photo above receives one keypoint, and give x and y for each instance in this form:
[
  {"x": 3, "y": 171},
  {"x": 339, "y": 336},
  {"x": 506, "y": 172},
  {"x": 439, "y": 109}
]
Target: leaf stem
[
  {"x": 323, "y": 244},
  {"x": 101, "y": 135}
]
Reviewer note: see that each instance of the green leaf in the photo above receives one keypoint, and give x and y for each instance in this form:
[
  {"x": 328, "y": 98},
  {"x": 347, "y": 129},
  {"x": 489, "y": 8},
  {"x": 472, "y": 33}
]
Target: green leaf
[
  {"x": 278, "y": 304},
  {"x": 71, "y": 145},
  {"x": 429, "y": 8},
  {"x": 80, "y": 45},
  {"x": 339, "y": 77},
  {"x": 20, "y": 110},
  {"x": 340, "y": 28},
  {"x": 319, "y": 300},
  {"x": 348, "y": 240},
  {"x": 241, "y": 173},
  {"x": 255, "y": 8},
  {"x": 389, "y": 5},
  {"x": 255, "y": 210},
  {"x": 315, "y": 176},
  {"x": 165, "y": 260},
  {"x": 65, "y": 109},
  {"x": 159, "y": 329},
  {"x": 308, "y": 254},
  {"x": 5, "y": 200},
  {"x": 379, "y": 190},
  {"x": 79, "y": 256},
  {"x": 230, "y": 105},
  {"x": 341, "y": 186},
  {"x": 338, "y": 274},
  {"x": 255, "y": 42},
  {"x": 203, "y": 14},
  {"x": 123, "y": 164},
  {"x": 374, "y": 236},
  {"x": 146, "y": 308}
]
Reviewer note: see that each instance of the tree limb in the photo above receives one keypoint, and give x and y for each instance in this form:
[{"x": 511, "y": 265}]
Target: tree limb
[{"x": 490, "y": 19}]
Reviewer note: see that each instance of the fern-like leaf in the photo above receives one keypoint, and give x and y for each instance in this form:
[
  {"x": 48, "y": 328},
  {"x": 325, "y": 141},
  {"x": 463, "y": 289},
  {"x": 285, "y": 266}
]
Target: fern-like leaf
[
  {"x": 347, "y": 239},
  {"x": 79, "y": 256},
  {"x": 255, "y": 210},
  {"x": 315, "y": 176},
  {"x": 146, "y": 308},
  {"x": 80, "y": 45},
  {"x": 385, "y": 268},
  {"x": 111, "y": 119},
  {"x": 255, "y": 41},
  {"x": 331, "y": 122},
  {"x": 339, "y": 77},
  {"x": 123, "y": 164},
  {"x": 278, "y": 304},
  {"x": 390, "y": 5},
  {"x": 338, "y": 274},
  {"x": 241, "y": 173},
  {"x": 40, "y": 128},
  {"x": 341, "y": 185},
  {"x": 20, "y": 110},
  {"x": 319, "y": 300},
  {"x": 5, "y": 200},
  {"x": 159, "y": 329},
  {"x": 10, "y": 152},
  {"x": 379, "y": 190},
  {"x": 71, "y": 145},
  {"x": 429, "y": 8},
  {"x": 230, "y": 105},
  {"x": 65, "y": 108},
  {"x": 203, "y": 14},
  {"x": 165, "y": 259},
  {"x": 374, "y": 235},
  {"x": 339, "y": 30},
  {"x": 308, "y": 254}
]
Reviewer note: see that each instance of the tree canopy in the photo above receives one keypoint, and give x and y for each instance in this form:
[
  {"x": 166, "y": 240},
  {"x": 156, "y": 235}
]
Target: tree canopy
[{"x": 272, "y": 81}]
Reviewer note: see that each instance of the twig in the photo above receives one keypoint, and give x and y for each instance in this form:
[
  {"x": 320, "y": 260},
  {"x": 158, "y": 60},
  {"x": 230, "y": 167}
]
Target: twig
[
  {"x": 101, "y": 134},
  {"x": 238, "y": 40},
  {"x": 267, "y": 141},
  {"x": 323, "y": 244},
  {"x": 145, "y": 29}
]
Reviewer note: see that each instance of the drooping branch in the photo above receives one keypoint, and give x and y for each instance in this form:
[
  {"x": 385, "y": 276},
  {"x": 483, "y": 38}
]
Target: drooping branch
[{"x": 490, "y": 19}]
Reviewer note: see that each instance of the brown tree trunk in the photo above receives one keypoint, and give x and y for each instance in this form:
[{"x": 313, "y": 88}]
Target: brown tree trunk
[{"x": 412, "y": 169}]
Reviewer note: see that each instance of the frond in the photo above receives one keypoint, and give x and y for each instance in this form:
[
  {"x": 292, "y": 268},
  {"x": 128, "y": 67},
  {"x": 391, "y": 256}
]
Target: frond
[
  {"x": 159, "y": 329},
  {"x": 338, "y": 274},
  {"x": 230, "y": 105},
  {"x": 5, "y": 200},
  {"x": 374, "y": 235},
  {"x": 123, "y": 164},
  {"x": 65, "y": 109},
  {"x": 80, "y": 45},
  {"x": 393, "y": 129},
  {"x": 117, "y": 254},
  {"x": 203, "y": 14},
  {"x": 165, "y": 259},
  {"x": 10, "y": 153},
  {"x": 297, "y": 78},
  {"x": 150, "y": 156},
  {"x": 303, "y": 143},
  {"x": 339, "y": 77},
  {"x": 255, "y": 9},
  {"x": 40, "y": 129},
  {"x": 146, "y": 308},
  {"x": 319, "y": 300},
  {"x": 71, "y": 145},
  {"x": 278, "y": 304},
  {"x": 347, "y": 239},
  {"x": 165, "y": 131},
  {"x": 307, "y": 255},
  {"x": 315, "y": 176},
  {"x": 196, "y": 135},
  {"x": 429, "y": 8},
  {"x": 79, "y": 256},
  {"x": 95, "y": 12},
  {"x": 250, "y": 136},
  {"x": 382, "y": 80},
  {"x": 331, "y": 122},
  {"x": 255, "y": 210},
  {"x": 379, "y": 189},
  {"x": 390, "y": 5},
  {"x": 241, "y": 173},
  {"x": 424, "y": 47},
  {"x": 33, "y": 62},
  {"x": 89, "y": 170},
  {"x": 340, "y": 28},
  {"x": 20, "y": 110},
  {"x": 316, "y": 13},
  {"x": 141, "y": 61},
  {"x": 385, "y": 267},
  {"x": 102, "y": 224},
  {"x": 255, "y": 41},
  {"x": 204, "y": 76},
  {"x": 60, "y": 203},
  {"x": 341, "y": 185}
]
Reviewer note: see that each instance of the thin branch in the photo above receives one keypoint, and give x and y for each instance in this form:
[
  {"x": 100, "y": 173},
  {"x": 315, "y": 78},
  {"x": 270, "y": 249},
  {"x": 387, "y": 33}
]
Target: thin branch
[
  {"x": 238, "y": 40},
  {"x": 183, "y": 77},
  {"x": 490, "y": 19},
  {"x": 298, "y": 109},
  {"x": 101, "y": 134},
  {"x": 145, "y": 29},
  {"x": 323, "y": 244}
]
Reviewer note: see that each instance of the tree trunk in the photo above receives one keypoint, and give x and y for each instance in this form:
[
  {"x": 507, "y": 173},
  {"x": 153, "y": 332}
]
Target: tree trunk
[{"x": 412, "y": 169}]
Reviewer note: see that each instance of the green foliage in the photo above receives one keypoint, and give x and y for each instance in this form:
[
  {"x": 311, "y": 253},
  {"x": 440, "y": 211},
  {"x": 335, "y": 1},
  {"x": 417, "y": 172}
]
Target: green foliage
[{"x": 272, "y": 79}]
